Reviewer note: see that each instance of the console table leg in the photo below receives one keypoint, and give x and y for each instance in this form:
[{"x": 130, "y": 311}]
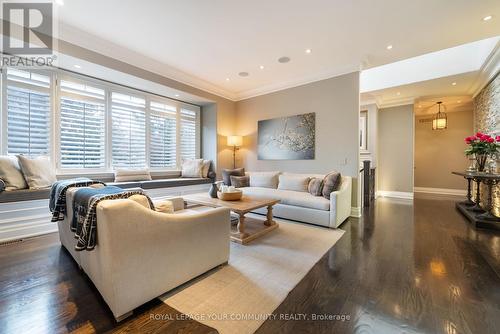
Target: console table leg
[
  {"x": 488, "y": 215},
  {"x": 469, "y": 200},
  {"x": 477, "y": 206}
]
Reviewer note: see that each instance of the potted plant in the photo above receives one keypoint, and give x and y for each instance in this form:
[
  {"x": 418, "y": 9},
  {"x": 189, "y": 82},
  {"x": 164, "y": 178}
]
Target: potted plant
[{"x": 482, "y": 147}]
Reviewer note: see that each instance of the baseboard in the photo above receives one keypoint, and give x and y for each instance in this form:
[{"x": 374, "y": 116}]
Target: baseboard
[
  {"x": 394, "y": 194},
  {"x": 355, "y": 212},
  {"x": 440, "y": 191}
]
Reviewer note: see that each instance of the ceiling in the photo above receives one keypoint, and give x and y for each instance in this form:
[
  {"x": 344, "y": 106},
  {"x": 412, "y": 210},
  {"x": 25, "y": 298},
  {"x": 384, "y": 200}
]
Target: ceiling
[{"x": 202, "y": 43}]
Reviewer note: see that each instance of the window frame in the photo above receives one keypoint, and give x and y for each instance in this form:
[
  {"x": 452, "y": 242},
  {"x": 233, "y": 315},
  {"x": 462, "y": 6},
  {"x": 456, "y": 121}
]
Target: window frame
[{"x": 55, "y": 120}]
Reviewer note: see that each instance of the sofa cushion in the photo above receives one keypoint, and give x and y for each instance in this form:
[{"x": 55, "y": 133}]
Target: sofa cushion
[
  {"x": 289, "y": 197},
  {"x": 264, "y": 179},
  {"x": 331, "y": 183},
  {"x": 293, "y": 182},
  {"x": 315, "y": 186},
  {"x": 226, "y": 174},
  {"x": 11, "y": 174}
]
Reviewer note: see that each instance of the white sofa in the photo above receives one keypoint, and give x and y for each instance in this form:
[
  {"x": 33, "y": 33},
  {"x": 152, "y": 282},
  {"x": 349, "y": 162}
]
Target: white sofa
[
  {"x": 304, "y": 207},
  {"x": 141, "y": 254}
]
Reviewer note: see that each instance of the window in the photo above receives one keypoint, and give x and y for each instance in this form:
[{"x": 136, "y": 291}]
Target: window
[
  {"x": 188, "y": 134},
  {"x": 163, "y": 135},
  {"x": 82, "y": 127},
  {"x": 128, "y": 130},
  {"x": 28, "y": 113}
]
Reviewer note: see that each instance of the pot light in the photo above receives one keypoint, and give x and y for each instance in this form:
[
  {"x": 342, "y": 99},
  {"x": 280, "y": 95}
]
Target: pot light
[
  {"x": 398, "y": 93},
  {"x": 459, "y": 101},
  {"x": 77, "y": 66},
  {"x": 487, "y": 18},
  {"x": 261, "y": 67},
  {"x": 389, "y": 47},
  {"x": 453, "y": 83},
  {"x": 284, "y": 60},
  {"x": 176, "y": 95},
  {"x": 308, "y": 51},
  {"x": 227, "y": 79}
]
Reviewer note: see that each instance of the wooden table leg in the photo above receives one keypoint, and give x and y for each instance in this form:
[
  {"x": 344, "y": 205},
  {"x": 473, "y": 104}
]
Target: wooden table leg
[
  {"x": 269, "y": 221},
  {"x": 241, "y": 226}
]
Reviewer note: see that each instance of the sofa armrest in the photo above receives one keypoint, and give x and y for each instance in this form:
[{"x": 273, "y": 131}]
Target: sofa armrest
[{"x": 340, "y": 203}]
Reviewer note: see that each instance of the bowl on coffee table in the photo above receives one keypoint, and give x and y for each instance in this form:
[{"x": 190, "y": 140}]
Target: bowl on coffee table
[{"x": 234, "y": 195}]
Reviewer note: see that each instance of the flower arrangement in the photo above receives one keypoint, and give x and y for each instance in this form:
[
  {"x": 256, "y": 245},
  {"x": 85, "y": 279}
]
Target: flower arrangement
[{"x": 482, "y": 146}]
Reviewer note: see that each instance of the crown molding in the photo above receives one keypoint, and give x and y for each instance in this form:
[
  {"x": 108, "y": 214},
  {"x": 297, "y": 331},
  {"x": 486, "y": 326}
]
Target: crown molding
[
  {"x": 487, "y": 72},
  {"x": 296, "y": 82},
  {"x": 396, "y": 102}
]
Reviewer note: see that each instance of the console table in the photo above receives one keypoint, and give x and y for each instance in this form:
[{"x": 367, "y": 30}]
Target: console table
[{"x": 471, "y": 208}]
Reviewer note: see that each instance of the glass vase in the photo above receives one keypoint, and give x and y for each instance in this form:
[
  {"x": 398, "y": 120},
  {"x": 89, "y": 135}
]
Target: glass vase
[{"x": 481, "y": 162}]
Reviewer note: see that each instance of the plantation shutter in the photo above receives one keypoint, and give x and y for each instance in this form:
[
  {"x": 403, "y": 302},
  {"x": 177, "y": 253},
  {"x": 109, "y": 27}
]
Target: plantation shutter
[
  {"x": 163, "y": 120},
  {"x": 188, "y": 134},
  {"x": 28, "y": 113},
  {"x": 128, "y": 115},
  {"x": 82, "y": 134}
]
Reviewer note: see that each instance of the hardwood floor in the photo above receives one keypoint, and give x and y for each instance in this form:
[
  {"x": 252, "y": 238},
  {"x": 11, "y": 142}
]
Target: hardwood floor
[{"x": 400, "y": 269}]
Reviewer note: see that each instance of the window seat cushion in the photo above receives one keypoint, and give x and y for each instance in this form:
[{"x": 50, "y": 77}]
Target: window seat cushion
[
  {"x": 174, "y": 182},
  {"x": 24, "y": 195}
]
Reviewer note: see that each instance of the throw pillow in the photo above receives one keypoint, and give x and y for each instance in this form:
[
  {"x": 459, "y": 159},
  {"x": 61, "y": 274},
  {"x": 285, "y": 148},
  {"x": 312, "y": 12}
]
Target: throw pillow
[
  {"x": 192, "y": 168},
  {"x": 38, "y": 171},
  {"x": 124, "y": 175},
  {"x": 11, "y": 174},
  {"x": 141, "y": 199},
  {"x": 240, "y": 181},
  {"x": 264, "y": 179},
  {"x": 164, "y": 206},
  {"x": 293, "y": 182},
  {"x": 331, "y": 183},
  {"x": 315, "y": 187},
  {"x": 226, "y": 174},
  {"x": 205, "y": 168}
]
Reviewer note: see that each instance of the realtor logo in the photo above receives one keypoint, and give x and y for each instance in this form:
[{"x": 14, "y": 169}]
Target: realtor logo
[{"x": 27, "y": 28}]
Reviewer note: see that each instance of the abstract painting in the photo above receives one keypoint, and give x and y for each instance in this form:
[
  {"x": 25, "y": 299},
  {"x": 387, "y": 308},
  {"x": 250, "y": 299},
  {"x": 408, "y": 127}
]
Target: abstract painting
[{"x": 287, "y": 138}]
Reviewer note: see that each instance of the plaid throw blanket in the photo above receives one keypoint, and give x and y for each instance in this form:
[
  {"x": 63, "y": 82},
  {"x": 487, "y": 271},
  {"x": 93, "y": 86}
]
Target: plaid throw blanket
[
  {"x": 57, "y": 201},
  {"x": 85, "y": 204}
]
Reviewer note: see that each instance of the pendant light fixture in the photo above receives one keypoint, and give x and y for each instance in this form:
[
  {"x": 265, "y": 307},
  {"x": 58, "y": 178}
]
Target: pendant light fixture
[{"x": 440, "y": 121}]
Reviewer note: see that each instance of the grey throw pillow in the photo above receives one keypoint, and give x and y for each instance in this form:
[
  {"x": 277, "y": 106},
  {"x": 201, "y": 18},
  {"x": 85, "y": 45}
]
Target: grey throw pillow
[
  {"x": 331, "y": 183},
  {"x": 226, "y": 174},
  {"x": 315, "y": 186},
  {"x": 240, "y": 181}
]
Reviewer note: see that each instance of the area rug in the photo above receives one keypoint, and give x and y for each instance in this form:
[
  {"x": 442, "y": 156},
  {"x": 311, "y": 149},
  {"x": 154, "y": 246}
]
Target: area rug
[{"x": 240, "y": 296}]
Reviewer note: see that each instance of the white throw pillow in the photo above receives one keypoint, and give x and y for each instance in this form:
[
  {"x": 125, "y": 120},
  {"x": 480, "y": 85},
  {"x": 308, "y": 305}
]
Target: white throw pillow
[
  {"x": 205, "y": 168},
  {"x": 38, "y": 171},
  {"x": 192, "y": 168},
  {"x": 124, "y": 175},
  {"x": 264, "y": 179},
  {"x": 11, "y": 174},
  {"x": 293, "y": 182}
]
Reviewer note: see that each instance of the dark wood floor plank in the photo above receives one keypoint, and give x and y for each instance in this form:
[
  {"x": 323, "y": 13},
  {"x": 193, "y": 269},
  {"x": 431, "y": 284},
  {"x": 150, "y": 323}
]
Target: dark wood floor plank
[{"x": 400, "y": 268}]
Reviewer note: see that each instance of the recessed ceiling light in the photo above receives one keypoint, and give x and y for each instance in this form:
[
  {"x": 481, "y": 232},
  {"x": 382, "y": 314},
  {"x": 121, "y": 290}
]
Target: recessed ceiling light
[
  {"x": 398, "y": 93},
  {"x": 227, "y": 79},
  {"x": 77, "y": 66},
  {"x": 459, "y": 101},
  {"x": 419, "y": 106},
  {"x": 243, "y": 74},
  {"x": 261, "y": 67},
  {"x": 487, "y": 18},
  {"x": 308, "y": 51},
  {"x": 176, "y": 95},
  {"x": 60, "y": 2},
  {"x": 389, "y": 47},
  {"x": 453, "y": 83},
  {"x": 284, "y": 60}
]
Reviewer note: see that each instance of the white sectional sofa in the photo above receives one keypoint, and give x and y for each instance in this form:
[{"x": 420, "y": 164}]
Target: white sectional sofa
[
  {"x": 304, "y": 207},
  {"x": 141, "y": 254}
]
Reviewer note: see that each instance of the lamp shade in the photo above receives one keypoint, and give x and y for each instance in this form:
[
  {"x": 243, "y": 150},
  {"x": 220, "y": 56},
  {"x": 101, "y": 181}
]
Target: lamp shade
[{"x": 234, "y": 141}]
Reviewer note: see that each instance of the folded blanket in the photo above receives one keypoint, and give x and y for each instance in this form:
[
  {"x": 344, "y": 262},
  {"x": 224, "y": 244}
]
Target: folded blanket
[
  {"x": 87, "y": 200},
  {"x": 57, "y": 200}
]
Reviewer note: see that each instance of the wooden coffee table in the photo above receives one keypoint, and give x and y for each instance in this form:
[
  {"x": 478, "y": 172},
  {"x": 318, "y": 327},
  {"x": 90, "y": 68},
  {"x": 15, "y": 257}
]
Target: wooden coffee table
[{"x": 248, "y": 228}]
